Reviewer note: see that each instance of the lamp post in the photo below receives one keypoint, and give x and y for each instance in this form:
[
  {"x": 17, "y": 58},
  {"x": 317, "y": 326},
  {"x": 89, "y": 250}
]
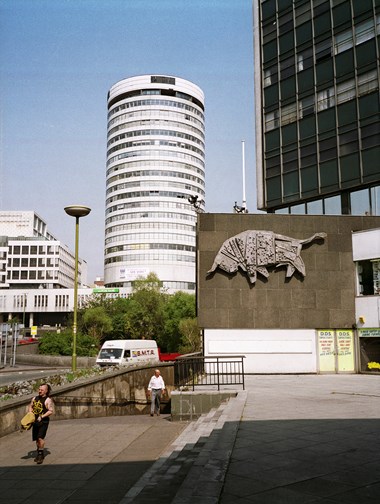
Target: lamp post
[{"x": 76, "y": 211}]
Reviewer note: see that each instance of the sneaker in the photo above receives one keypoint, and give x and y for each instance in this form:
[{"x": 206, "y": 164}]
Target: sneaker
[{"x": 40, "y": 458}]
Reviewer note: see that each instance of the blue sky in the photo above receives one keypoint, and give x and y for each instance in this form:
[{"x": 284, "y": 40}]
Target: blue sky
[{"x": 58, "y": 59}]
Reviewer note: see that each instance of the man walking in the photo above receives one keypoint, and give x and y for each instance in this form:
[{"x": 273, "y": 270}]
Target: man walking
[
  {"x": 42, "y": 407},
  {"x": 155, "y": 388}
]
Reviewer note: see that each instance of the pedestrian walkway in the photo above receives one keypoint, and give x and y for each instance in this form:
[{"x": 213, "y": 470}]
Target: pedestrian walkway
[{"x": 285, "y": 439}]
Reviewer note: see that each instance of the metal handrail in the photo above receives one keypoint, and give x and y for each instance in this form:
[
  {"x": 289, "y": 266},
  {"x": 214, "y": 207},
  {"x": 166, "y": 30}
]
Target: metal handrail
[{"x": 219, "y": 370}]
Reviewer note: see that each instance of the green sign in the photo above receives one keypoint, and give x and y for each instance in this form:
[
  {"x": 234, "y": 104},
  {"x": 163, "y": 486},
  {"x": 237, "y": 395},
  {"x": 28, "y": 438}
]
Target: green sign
[
  {"x": 105, "y": 291},
  {"x": 369, "y": 333}
]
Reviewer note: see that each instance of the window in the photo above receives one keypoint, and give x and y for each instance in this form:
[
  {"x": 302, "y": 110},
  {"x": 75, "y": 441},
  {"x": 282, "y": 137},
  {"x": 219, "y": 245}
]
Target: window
[
  {"x": 332, "y": 206},
  {"x": 287, "y": 68},
  {"x": 325, "y": 99},
  {"x": 16, "y": 249},
  {"x": 267, "y": 78},
  {"x": 343, "y": 41},
  {"x": 367, "y": 82},
  {"x": 375, "y": 200},
  {"x": 271, "y": 120},
  {"x": 306, "y": 106},
  {"x": 369, "y": 277},
  {"x": 314, "y": 207},
  {"x": 360, "y": 202},
  {"x": 298, "y": 209},
  {"x": 345, "y": 91},
  {"x": 364, "y": 31},
  {"x": 289, "y": 114},
  {"x": 16, "y": 262}
]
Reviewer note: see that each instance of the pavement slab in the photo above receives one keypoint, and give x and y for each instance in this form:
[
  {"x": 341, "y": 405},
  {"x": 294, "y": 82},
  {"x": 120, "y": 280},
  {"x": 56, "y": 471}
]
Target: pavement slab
[{"x": 285, "y": 439}]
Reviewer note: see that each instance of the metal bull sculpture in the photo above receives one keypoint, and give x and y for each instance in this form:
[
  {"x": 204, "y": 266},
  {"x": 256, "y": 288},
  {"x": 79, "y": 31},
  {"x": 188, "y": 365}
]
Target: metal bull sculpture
[{"x": 253, "y": 251}]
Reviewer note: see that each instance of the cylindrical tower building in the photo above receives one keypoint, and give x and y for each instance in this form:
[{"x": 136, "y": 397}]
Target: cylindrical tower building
[{"x": 155, "y": 162}]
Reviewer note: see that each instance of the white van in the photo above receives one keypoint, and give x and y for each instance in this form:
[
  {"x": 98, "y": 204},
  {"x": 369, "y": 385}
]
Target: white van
[{"x": 123, "y": 352}]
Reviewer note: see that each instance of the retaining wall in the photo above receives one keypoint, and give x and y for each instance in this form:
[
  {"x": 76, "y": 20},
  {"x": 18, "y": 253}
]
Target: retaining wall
[{"x": 122, "y": 393}]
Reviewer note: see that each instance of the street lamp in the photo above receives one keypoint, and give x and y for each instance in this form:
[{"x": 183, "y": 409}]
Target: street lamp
[{"x": 76, "y": 211}]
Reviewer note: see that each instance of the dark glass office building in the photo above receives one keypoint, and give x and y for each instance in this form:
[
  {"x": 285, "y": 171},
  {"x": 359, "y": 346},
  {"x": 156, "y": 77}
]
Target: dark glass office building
[{"x": 317, "y": 98}]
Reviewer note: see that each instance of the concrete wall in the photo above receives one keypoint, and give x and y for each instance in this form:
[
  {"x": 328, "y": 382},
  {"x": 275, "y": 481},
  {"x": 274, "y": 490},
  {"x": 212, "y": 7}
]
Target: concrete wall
[
  {"x": 122, "y": 393},
  {"x": 324, "y": 298},
  {"x": 53, "y": 360},
  {"x": 191, "y": 405}
]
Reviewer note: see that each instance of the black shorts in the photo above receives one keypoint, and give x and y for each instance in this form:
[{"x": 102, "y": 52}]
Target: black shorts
[{"x": 39, "y": 429}]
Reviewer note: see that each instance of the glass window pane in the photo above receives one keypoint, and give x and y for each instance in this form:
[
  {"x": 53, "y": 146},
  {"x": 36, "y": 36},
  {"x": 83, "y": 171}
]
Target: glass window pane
[
  {"x": 345, "y": 64},
  {"x": 364, "y": 31},
  {"x": 304, "y": 33},
  {"x": 332, "y": 206},
  {"x": 370, "y": 159},
  {"x": 375, "y": 200},
  {"x": 325, "y": 72},
  {"x": 350, "y": 170},
  {"x": 305, "y": 80},
  {"x": 271, "y": 95},
  {"x": 347, "y": 113},
  {"x": 282, "y": 211},
  {"x": 291, "y": 184},
  {"x": 326, "y": 121},
  {"x": 288, "y": 88},
  {"x": 342, "y": 13},
  {"x": 274, "y": 189},
  {"x": 309, "y": 179},
  {"x": 329, "y": 174},
  {"x": 315, "y": 207},
  {"x": 286, "y": 42},
  {"x": 366, "y": 55},
  {"x": 360, "y": 202},
  {"x": 298, "y": 209},
  {"x": 343, "y": 41}
]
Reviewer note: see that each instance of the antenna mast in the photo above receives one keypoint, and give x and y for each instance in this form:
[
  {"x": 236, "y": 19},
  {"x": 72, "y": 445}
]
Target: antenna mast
[{"x": 244, "y": 202}]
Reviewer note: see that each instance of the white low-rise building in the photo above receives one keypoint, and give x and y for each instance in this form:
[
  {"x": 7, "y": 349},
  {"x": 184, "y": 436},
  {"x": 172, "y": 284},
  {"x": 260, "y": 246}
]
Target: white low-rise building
[{"x": 31, "y": 257}]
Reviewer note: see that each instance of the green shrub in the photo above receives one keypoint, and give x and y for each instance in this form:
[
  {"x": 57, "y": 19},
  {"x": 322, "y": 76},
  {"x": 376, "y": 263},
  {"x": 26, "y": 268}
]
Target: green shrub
[{"x": 53, "y": 343}]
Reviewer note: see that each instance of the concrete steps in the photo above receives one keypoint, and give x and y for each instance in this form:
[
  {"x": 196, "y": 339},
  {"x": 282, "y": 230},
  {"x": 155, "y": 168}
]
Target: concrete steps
[{"x": 194, "y": 466}]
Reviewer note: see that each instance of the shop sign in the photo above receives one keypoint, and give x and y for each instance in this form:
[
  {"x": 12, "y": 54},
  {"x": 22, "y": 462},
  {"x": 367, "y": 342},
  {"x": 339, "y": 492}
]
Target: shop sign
[{"x": 369, "y": 333}]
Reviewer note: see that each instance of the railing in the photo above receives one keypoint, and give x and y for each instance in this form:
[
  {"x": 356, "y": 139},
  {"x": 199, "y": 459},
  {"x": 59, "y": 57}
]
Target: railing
[{"x": 197, "y": 371}]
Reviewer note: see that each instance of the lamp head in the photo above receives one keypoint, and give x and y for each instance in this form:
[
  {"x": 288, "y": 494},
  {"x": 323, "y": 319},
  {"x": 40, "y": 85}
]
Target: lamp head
[{"x": 77, "y": 210}]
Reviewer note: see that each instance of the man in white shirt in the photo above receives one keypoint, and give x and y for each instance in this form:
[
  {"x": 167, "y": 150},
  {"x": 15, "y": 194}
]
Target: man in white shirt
[{"x": 156, "y": 387}]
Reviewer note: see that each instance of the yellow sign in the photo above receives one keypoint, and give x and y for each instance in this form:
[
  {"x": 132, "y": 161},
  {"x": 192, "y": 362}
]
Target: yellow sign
[
  {"x": 326, "y": 344},
  {"x": 33, "y": 330},
  {"x": 345, "y": 347}
]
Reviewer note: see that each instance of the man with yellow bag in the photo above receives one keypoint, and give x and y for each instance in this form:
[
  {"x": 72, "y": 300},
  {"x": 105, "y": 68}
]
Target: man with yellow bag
[{"x": 42, "y": 407}]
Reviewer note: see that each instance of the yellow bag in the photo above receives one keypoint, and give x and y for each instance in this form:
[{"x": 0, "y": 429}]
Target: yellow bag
[{"x": 27, "y": 421}]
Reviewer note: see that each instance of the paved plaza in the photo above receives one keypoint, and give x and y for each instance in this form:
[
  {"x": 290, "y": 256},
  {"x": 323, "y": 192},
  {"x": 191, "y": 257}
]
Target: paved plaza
[{"x": 285, "y": 439}]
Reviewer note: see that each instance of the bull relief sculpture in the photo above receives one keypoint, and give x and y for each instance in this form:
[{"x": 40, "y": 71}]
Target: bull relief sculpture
[{"x": 252, "y": 251}]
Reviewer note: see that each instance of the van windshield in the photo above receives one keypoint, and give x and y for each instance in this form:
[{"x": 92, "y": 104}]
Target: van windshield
[{"x": 110, "y": 353}]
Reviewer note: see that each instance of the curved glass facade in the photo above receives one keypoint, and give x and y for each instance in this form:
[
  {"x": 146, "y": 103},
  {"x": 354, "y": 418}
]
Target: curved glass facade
[{"x": 155, "y": 162}]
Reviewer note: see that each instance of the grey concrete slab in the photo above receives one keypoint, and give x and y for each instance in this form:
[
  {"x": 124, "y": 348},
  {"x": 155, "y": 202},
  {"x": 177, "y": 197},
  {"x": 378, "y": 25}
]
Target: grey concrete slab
[
  {"x": 306, "y": 439},
  {"x": 286, "y": 439}
]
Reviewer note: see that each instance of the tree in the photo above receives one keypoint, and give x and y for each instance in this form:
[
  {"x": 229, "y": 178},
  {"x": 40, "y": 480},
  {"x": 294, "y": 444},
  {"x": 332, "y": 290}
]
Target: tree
[
  {"x": 191, "y": 336},
  {"x": 145, "y": 318},
  {"x": 97, "y": 322},
  {"x": 177, "y": 307}
]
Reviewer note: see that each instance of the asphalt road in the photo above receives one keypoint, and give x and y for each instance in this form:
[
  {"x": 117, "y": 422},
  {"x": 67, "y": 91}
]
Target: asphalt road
[{"x": 10, "y": 375}]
